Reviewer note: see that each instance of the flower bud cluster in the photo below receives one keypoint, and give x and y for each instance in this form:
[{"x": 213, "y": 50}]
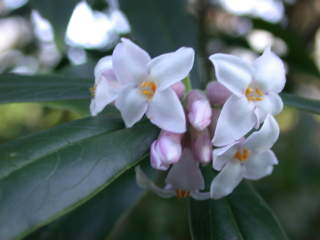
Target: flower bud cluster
[{"x": 229, "y": 126}]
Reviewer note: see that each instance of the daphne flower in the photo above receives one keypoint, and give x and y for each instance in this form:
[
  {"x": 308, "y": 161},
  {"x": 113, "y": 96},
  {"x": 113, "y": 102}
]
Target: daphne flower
[
  {"x": 166, "y": 150},
  {"x": 255, "y": 89},
  {"x": 199, "y": 110},
  {"x": 183, "y": 180},
  {"x": 118, "y": 19},
  {"x": 148, "y": 85},
  {"x": 249, "y": 159},
  {"x": 106, "y": 88}
]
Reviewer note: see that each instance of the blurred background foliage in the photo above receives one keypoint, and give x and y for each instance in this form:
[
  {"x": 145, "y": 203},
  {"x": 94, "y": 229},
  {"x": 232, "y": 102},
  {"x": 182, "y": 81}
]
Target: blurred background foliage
[{"x": 68, "y": 37}]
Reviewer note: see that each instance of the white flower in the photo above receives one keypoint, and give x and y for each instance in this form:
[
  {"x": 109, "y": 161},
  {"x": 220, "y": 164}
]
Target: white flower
[
  {"x": 255, "y": 89},
  {"x": 106, "y": 88},
  {"x": 183, "y": 180},
  {"x": 250, "y": 158},
  {"x": 148, "y": 84}
]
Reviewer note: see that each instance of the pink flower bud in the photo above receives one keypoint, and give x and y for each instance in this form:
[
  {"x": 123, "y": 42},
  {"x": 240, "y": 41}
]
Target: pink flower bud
[
  {"x": 202, "y": 146},
  {"x": 179, "y": 89},
  {"x": 199, "y": 110},
  {"x": 166, "y": 150},
  {"x": 217, "y": 93}
]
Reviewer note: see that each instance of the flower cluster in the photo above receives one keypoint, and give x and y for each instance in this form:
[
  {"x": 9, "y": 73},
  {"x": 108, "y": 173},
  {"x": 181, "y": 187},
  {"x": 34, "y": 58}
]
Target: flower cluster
[{"x": 230, "y": 125}]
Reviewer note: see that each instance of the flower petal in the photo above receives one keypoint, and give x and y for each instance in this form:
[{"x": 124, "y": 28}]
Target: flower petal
[
  {"x": 165, "y": 111},
  {"x": 170, "y": 68},
  {"x": 269, "y": 72},
  {"x": 232, "y": 72},
  {"x": 221, "y": 156},
  {"x": 263, "y": 139},
  {"x": 104, "y": 65},
  {"x": 226, "y": 181},
  {"x": 271, "y": 103},
  {"x": 236, "y": 119},
  {"x": 119, "y": 21},
  {"x": 106, "y": 92},
  {"x": 186, "y": 174},
  {"x": 144, "y": 182},
  {"x": 200, "y": 195},
  {"x": 132, "y": 105},
  {"x": 130, "y": 62},
  {"x": 260, "y": 165}
]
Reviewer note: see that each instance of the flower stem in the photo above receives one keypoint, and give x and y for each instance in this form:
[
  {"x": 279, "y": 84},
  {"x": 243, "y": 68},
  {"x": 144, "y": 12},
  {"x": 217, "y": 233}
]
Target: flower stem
[{"x": 187, "y": 84}]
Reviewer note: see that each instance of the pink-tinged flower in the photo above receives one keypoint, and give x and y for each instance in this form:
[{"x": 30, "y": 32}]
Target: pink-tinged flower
[
  {"x": 199, "y": 110},
  {"x": 166, "y": 150},
  {"x": 217, "y": 93},
  {"x": 106, "y": 88},
  {"x": 249, "y": 158},
  {"x": 201, "y": 146},
  {"x": 255, "y": 89},
  {"x": 179, "y": 89},
  {"x": 183, "y": 180},
  {"x": 149, "y": 82}
]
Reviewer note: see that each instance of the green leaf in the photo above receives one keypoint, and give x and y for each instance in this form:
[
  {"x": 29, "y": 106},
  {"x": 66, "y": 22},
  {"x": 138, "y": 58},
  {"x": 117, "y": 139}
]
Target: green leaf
[
  {"x": 213, "y": 220},
  {"x": 96, "y": 218},
  {"x": 80, "y": 106},
  {"x": 58, "y": 13},
  {"x": 309, "y": 105},
  {"x": 85, "y": 70},
  {"x": 47, "y": 175},
  {"x": 162, "y": 26},
  {"x": 41, "y": 88},
  {"x": 241, "y": 216}
]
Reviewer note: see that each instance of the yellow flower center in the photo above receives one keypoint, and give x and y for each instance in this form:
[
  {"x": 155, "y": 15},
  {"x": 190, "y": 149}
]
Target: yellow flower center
[
  {"x": 242, "y": 155},
  {"x": 148, "y": 88},
  {"x": 254, "y": 94},
  {"x": 182, "y": 193}
]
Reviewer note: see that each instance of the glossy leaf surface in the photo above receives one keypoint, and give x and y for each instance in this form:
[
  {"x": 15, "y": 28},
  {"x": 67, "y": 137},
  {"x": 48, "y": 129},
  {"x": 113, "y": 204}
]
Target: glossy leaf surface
[{"x": 48, "y": 174}]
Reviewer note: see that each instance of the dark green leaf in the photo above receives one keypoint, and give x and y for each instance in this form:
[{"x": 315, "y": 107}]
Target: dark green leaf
[
  {"x": 17, "y": 88},
  {"x": 58, "y": 13},
  {"x": 213, "y": 220},
  {"x": 96, "y": 218},
  {"x": 241, "y": 216},
  {"x": 85, "y": 70},
  {"x": 47, "y": 175},
  {"x": 309, "y": 105},
  {"x": 162, "y": 26}
]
